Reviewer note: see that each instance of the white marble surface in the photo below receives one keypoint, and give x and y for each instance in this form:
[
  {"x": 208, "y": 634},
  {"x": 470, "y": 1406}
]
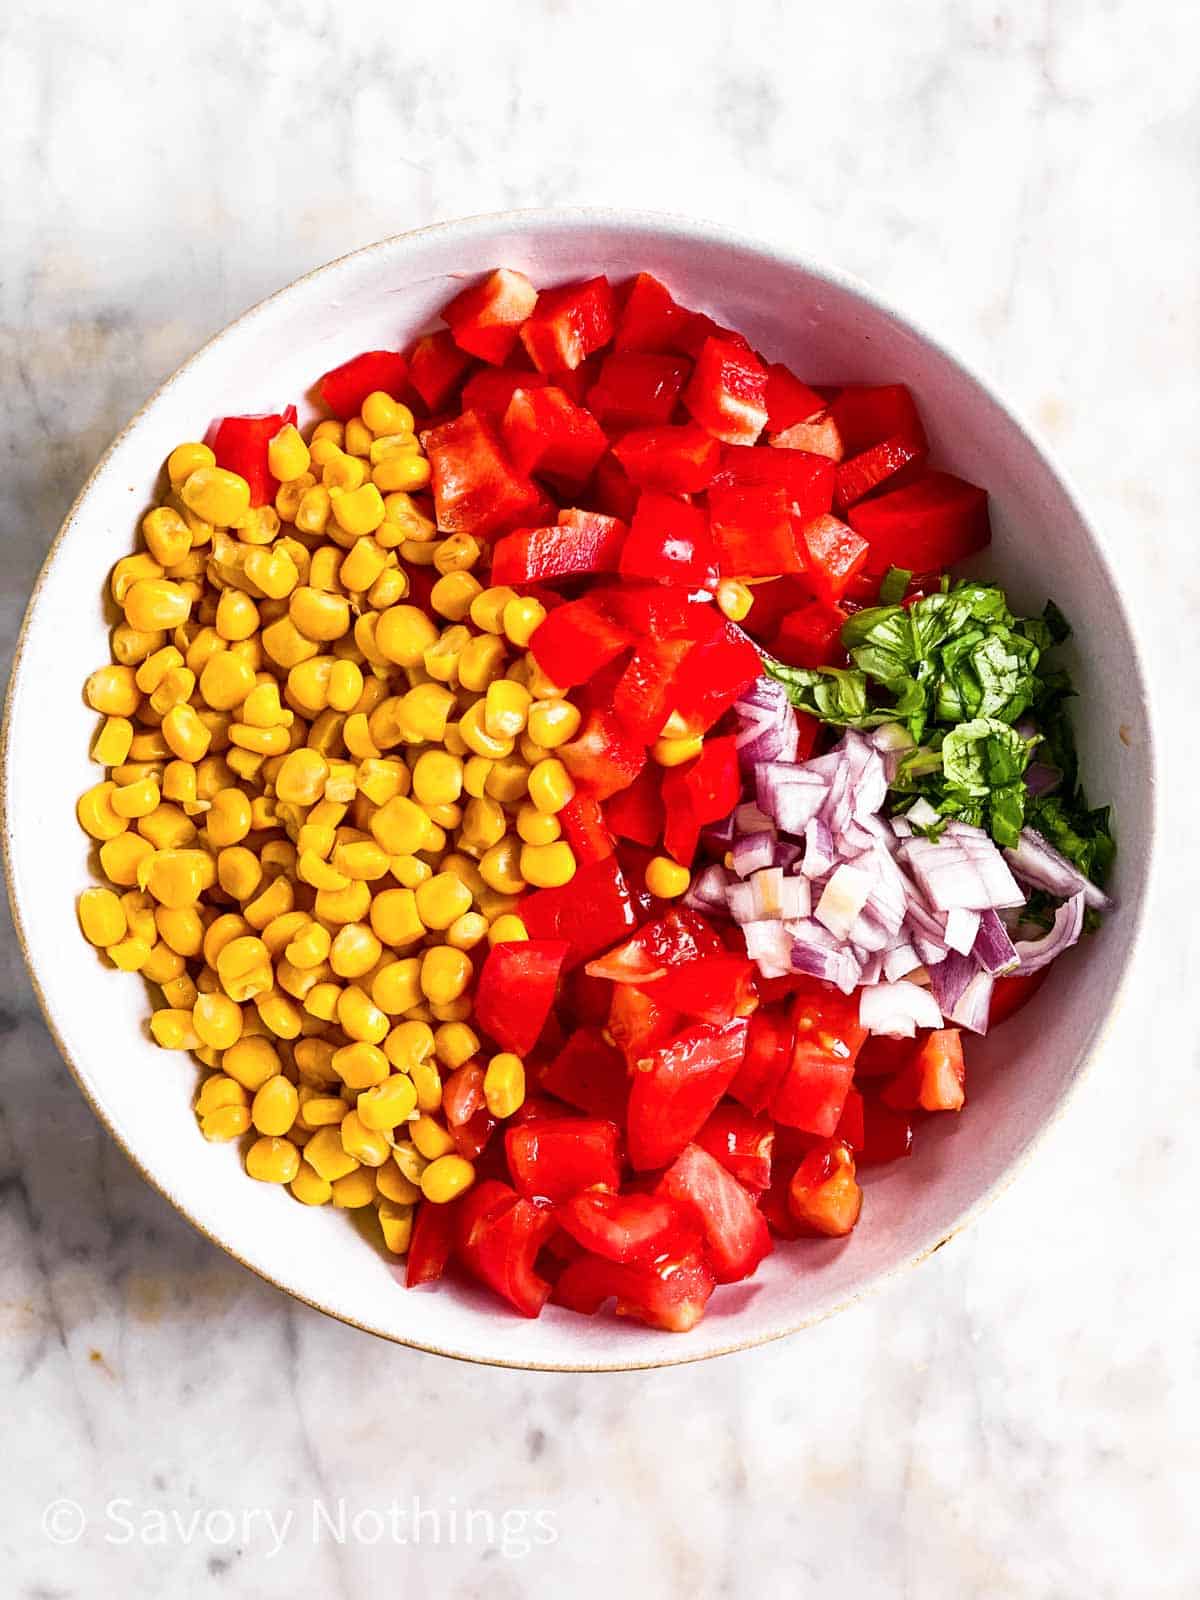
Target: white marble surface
[{"x": 1017, "y": 1419}]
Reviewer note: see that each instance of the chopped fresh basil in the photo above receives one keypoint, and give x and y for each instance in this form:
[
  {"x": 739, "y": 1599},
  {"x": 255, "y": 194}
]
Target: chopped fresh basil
[{"x": 895, "y": 585}]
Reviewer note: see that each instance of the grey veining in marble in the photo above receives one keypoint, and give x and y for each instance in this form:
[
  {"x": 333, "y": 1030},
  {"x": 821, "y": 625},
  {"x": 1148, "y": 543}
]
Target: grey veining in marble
[{"x": 1019, "y": 1419}]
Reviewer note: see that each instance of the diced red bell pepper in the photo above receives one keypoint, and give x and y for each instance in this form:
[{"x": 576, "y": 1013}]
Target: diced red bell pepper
[
  {"x": 638, "y": 1022},
  {"x": 788, "y": 400},
  {"x": 591, "y": 912},
  {"x": 475, "y": 488},
  {"x": 834, "y": 553},
  {"x": 642, "y": 697},
  {"x": 650, "y": 319},
  {"x": 887, "y": 1134},
  {"x": 680, "y": 460},
  {"x": 346, "y": 387},
  {"x": 716, "y": 989},
  {"x": 807, "y": 479},
  {"x": 669, "y": 1293},
  {"x": 568, "y": 323},
  {"x": 554, "y": 1159},
  {"x": 636, "y": 390},
  {"x": 852, "y": 1125},
  {"x": 699, "y": 328},
  {"x": 499, "y": 1235},
  {"x": 824, "y": 1195},
  {"x": 862, "y": 474},
  {"x": 516, "y": 991},
  {"x": 811, "y": 636},
  {"x": 926, "y": 526},
  {"x": 714, "y": 675},
  {"x": 1011, "y": 993},
  {"x": 735, "y": 1233},
  {"x": 819, "y": 437},
  {"x": 546, "y": 432},
  {"x": 602, "y": 757},
  {"x": 727, "y": 394},
  {"x": 576, "y": 640},
  {"x": 866, "y": 414},
  {"x": 240, "y": 445},
  {"x": 934, "y": 1079},
  {"x": 436, "y": 368},
  {"x": 741, "y": 1142},
  {"x": 629, "y": 1227},
  {"x": 677, "y": 939},
  {"x": 611, "y": 490},
  {"x": 669, "y": 542},
  {"x": 676, "y": 1087},
  {"x": 769, "y": 1043},
  {"x": 828, "y": 1039},
  {"x": 659, "y": 612},
  {"x": 471, "y": 1137},
  {"x": 583, "y": 542},
  {"x": 703, "y": 790},
  {"x": 754, "y": 532},
  {"x": 486, "y": 318},
  {"x": 489, "y": 390},
  {"x": 462, "y": 1094},
  {"x": 590, "y": 1074},
  {"x": 882, "y": 1057},
  {"x": 433, "y": 1234},
  {"x": 585, "y": 829},
  {"x": 636, "y": 813}
]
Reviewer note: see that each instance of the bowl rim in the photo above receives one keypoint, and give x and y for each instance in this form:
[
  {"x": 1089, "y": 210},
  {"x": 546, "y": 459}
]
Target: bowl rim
[{"x": 638, "y": 221}]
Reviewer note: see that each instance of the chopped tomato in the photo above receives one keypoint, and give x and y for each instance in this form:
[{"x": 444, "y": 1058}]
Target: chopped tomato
[
  {"x": 583, "y": 542},
  {"x": 679, "y": 937},
  {"x": 934, "y": 1078},
  {"x": 499, "y": 1234},
  {"x": 639, "y": 1021},
  {"x": 669, "y": 1293},
  {"x": 489, "y": 390},
  {"x": 669, "y": 542},
  {"x": 852, "y": 1126},
  {"x": 552, "y": 1160},
  {"x": 735, "y": 1233},
  {"x": 824, "y": 1194},
  {"x": 676, "y": 1087},
  {"x": 547, "y": 433},
  {"x": 680, "y": 460},
  {"x": 714, "y": 989},
  {"x": 769, "y": 1043},
  {"x": 828, "y": 1039},
  {"x": 590, "y": 1074},
  {"x": 568, "y": 324},
  {"x": 576, "y": 640},
  {"x": 516, "y": 991},
  {"x": 727, "y": 394},
  {"x": 240, "y": 445},
  {"x": 472, "y": 1136},
  {"x": 611, "y": 491},
  {"x": 475, "y": 488},
  {"x": 462, "y": 1094},
  {"x": 637, "y": 390},
  {"x": 1011, "y": 993},
  {"x": 591, "y": 912},
  {"x": 629, "y": 1227},
  {"x": 346, "y": 387},
  {"x": 887, "y": 1134},
  {"x": 436, "y": 369},
  {"x": 926, "y": 526},
  {"x": 486, "y": 318},
  {"x": 741, "y": 1142},
  {"x": 585, "y": 829}
]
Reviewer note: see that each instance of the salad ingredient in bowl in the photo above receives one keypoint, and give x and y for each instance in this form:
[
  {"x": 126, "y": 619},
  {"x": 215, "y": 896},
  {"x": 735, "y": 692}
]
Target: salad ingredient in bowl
[{"x": 566, "y": 801}]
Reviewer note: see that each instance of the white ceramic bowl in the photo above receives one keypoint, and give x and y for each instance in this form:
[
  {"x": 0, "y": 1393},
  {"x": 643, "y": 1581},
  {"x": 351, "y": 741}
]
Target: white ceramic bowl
[{"x": 828, "y": 328}]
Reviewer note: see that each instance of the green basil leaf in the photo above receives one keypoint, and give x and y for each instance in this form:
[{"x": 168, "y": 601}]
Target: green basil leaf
[{"x": 895, "y": 585}]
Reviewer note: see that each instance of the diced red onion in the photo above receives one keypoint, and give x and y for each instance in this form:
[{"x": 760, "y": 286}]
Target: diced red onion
[
  {"x": 767, "y": 886},
  {"x": 993, "y": 949},
  {"x": 795, "y": 897},
  {"x": 921, "y": 814},
  {"x": 899, "y": 962},
  {"x": 974, "y": 1004},
  {"x": 949, "y": 978},
  {"x": 708, "y": 891},
  {"x": 962, "y": 928},
  {"x": 843, "y": 897},
  {"x": 1034, "y": 954},
  {"x": 898, "y": 1009},
  {"x": 957, "y": 873},
  {"x": 739, "y": 897},
  {"x": 1036, "y": 861},
  {"x": 818, "y": 849},
  {"x": 753, "y": 851},
  {"x": 871, "y": 968},
  {"x": 787, "y": 855},
  {"x": 769, "y": 731},
  {"x": 931, "y": 951}
]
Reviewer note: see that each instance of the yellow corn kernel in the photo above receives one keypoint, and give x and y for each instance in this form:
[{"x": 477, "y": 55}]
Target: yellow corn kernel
[
  {"x": 396, "y": 1224},
  {"x": 286, "y": 645},
  {"x": 279, "y": 1014},
  {"x": 437, "y": 778},
  {"x": 487, "y": 608},
  {"x": 454, "y": 742},
  {"x": 185, "y": 459},
  {"x": 219, "y": 496},
  {"x": 401, "y": 827},
  {"x": 327, "y": 1155},
  {"x": 382, "y": 414},
  {"x": 387, "y": 1105},
  {"x": 239, "y": 872},
  {"x": 342, "y": 473},
  {"x": 279, "y": 933},
  {"x": 218, "y": 1091},
  {"x": 275, "y": 1106},
  {"x": 251, "y": 1061},
  {"x": 362, "y": 859},
  {"x": 507, "y": 929},
  {"x": 172, "y": 1030},
  {"x": 499, "y": 867},
  {"x": 237, "y": 616},
  {"x": 257, "y": 740},
  {"x": 225, "y": 1124},
  {"x": 131, "y": 646},
  {"x": 128, "y": 571},
  {"x": 121, "y": 855},
  {"x": 390, "y": 587},
  {"x": 484, "y": 824},
  {"x": 446, "y": 1177},
  {"x": 179, "y": 782},
  {"x": 153, "y": 603},
  {"x": 321, "y": 1001},
  {"x": 368, "y": 1146},
  {"x": 310, "y": 947},
  {"x": 521, "y": 619},
  {"x": 454, "y": 1044},
  {"x": 442, "y": 658},
  {"x": 185, "y": 734},
  {"x": 163, "y": 965},
  {"x": 228, "y": 818},
  {"x": 430, "y": 1138},
  {"x": 506, "y": 707},
  {"x": 453, "y": 595},
  {"x": 475, "y": 776},
  {"x": 666, "y": 879},
  {"x": 102, "y": 917},
  {"x": 357, "y": 509},
  {"x": 550, "y": 785},
  {"x": 130, "y": 955},
  {"x": 168, "y": 828},
  {"x": 441, "y": 900},
  {"x": 381, "y": 780},
  {"x": 181, "y": 930},
  {"x": 508, "y": 780},
  {"x": 537, "y": 827},
  {"x": 674, "y": 752},
  {"x": 318, "y": 614},
  {"x": 111, "y": 745},
  {"x": 403, "y": 634},
  {"x": 552, "y": 723},
  {"x": 113, "y": 691},
  {"x": 480, "y": 661},
  {"x": 445, "y": 974},
  {"x": 354, "y": 951},
  {"x": 426, "y": 710},
  {"x": 301, "y": 781},
  {"x": 220, "y": 932},
  {"x": 244, "y": 968},
  {"x": 95, "y": 812},
  {"x": 360, "y": 1065},
  {"x": 287, "y": 454},
  {"x": 273, "y": 1160},
  {"x": 458, "y": 553},
  {"x": 734, "y": 599},
  {"x": 168, "y": 537},
  {"x": 395, "y": 918},
  {"x": 309, "y": 1187},
  {"x": 400, "y": 471},
  {"x": 354, "y": 1191},
  {"x": 140, "y": 915},
  {"x": 504, "y": 1084},
  {"x": 396, "y": 987},
  {"x": 177, "y": 878},
  {"x": 320, "y": 1110},
  {"x": 408, "y": 1046},
  {"x": 547, "y": 866},
  {"x": 476, "y": 737},
  {"x": 217, "y": 1021}
]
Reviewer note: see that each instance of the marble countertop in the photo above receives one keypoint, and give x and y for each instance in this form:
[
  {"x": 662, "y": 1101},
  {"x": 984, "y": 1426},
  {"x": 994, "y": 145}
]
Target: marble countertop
[{"x": 1018, "y": 1420}]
